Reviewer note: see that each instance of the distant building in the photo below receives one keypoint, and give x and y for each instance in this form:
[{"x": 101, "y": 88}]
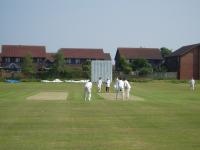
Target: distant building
[
  {"x": 12, "y": 55},
  {"x": 77, "y": 56},
  {"x": 153, "y": 55},
  {"x": 185, "y": 61}
]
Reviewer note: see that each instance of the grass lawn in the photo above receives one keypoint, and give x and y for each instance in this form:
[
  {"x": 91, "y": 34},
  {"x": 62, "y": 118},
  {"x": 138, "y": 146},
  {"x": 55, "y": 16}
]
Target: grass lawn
[{"x": 167, "y": 119}]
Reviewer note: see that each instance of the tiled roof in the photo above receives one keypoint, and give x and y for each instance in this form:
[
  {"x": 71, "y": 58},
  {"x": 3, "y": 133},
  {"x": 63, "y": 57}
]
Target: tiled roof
[
  {"x": 83, "y": 53},
  {"x": 22, "y": 51},
  {"x": 183, "y": 50},
  {"x": 136, "y": 53}
]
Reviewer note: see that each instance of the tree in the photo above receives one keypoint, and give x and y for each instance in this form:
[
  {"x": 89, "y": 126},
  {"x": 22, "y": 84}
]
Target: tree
[
  {"x": 59, "y": 64},
  {"x": 124, "y": 66},
  {"x": 140, "y": 63},
  {"x": 142, "y": 66},
  {"x": 165, "y": 52},
  {"x": 28, "y": 68},
  {"x": 145, "y": 71},
  {"x": 86, "y": 67}
]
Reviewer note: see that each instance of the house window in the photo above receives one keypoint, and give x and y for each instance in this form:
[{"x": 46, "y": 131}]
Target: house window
[
  {"x": 39, "y": 60},
  {"x": 68, "y": 61},
  {"x": 34, "y": 60},
  {"x": 13, "y": 66},
  {"x": 128, "y": 60},
  {"x": 77, "y": 61},
  {"x": 17, "y": 60},
  {"x": 7, "y": 59}
]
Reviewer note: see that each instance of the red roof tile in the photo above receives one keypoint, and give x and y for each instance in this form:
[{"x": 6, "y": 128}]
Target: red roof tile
[
  {"x": 145, "y": 53},
  {"x": 83, "y": 53},
  {"x": 22, "y": 51}
]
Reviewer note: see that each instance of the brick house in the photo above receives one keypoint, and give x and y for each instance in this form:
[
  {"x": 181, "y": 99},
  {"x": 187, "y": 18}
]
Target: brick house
[
  {"x": 186, "y": 62},
  {"x": 153, "y": 55},
  {"x": 12, "y": 55},
  {"x": 77, "y": 56}
]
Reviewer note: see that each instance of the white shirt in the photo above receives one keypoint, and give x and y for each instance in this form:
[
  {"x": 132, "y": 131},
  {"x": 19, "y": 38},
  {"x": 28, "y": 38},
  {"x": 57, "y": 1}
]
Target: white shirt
[
  {"x": 88, "y": 85},
  {"x": 192, "y": 81},
  {"x": 116, "y": 86},
  {"x": 121, "y": 84},
  {"x": 108, "y": 83},
  {"x": 127, "y": 85}
]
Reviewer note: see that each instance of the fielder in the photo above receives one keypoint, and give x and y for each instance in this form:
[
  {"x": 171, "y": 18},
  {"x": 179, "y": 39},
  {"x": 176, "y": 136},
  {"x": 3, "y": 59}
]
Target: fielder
[
  {"x": 192, "y": 84},
  {"x": 99, "y": 84},
  {"x": 127, "y": 88},
  {"x": 88, "y": 90},
  {"x": 107, "y": 85},
  {"x": 119, "y": 88}
]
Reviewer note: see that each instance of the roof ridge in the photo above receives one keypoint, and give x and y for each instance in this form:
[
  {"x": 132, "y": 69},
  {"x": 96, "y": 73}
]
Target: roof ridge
[
  {"x": 25, "y": 45},
  {"x": 136, "y": 48},
  {"x": 82, "y": 48},
  {"x": 184, "y": 49}
]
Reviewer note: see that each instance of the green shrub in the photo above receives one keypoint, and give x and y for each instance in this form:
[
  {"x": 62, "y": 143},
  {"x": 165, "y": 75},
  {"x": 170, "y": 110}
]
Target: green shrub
[
  {"x": 127, "y": 69},
  {"x": 30, "y": 80},
  {"x": 139, "y": 79},
  {"x": 178, "y": 81},
  {"x": 145, "y": 70}
]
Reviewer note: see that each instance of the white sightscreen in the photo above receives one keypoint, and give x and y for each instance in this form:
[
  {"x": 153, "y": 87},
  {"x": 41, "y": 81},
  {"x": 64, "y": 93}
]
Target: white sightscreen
[{"x": 101, "y": 68}]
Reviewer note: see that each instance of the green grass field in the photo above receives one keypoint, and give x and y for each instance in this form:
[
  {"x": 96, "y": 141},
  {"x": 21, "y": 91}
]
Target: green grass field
[{"x": 167, "y": 119}]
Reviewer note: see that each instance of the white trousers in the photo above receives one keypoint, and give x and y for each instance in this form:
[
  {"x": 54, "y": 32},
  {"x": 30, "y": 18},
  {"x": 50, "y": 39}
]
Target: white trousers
[
  {"x": 127, "y": 91},
  {"x": 192, "y": 87},
  {"x": 99, "y": 88},
  {"x": 87, "y": 94}
]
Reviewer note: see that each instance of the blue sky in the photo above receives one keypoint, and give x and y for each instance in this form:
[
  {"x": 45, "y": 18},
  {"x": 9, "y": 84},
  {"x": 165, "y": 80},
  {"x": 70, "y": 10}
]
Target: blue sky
[{"x": 106, "y": 24}]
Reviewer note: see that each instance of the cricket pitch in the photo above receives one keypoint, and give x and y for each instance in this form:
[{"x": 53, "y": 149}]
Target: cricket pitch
[
  {"x": 112, "y": 96},
  {"x": 49, "y": 96}
]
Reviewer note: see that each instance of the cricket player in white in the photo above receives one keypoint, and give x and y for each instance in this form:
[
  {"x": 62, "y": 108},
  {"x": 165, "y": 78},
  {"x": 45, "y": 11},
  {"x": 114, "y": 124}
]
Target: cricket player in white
[
  {"x": 192, "y": 84},
  {"x": 120, "y": 88},
  {"x": 99, "y": 84},
  {"x": 88, "y": 90},
  {"x": 127, "y": 88},
  {"x": 116, "y": 84},
  {"x": 107, "y": 85}
]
